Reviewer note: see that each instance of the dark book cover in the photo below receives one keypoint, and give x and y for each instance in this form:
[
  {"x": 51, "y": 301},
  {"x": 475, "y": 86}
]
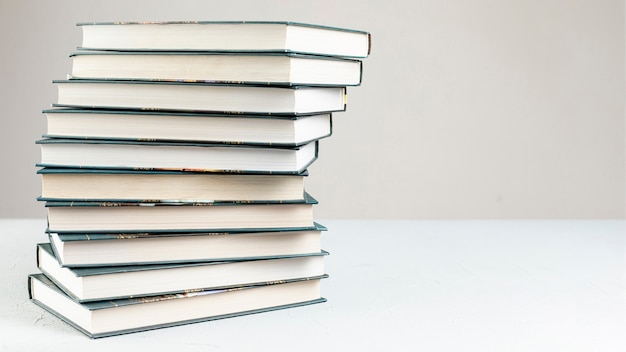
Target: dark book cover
[
  {"x": 172, "y": 113},
  {"x": 117, "y": 216},
  {"x": 216, "y": 53},
  {"x": 68, "y": 237},
  {"x": 174, "y": 145},
  {"x": 112, "y": 269},
  {"x": 308, "y": 199},
  {"x": 167, "y": 247},
  {"x": 118, "y": 303},
  {"x": 294, "y": 23},
  {"x": 279, "y": 50},
  {"x": 205, "y": 85},
  {"x": 87, "y": 271},
  {"x": 52, "y": 170},
  {"x": 152, "y": 186}
]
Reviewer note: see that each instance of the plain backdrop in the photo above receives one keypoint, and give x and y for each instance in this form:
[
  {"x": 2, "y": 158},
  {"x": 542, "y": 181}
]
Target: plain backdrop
[{"x": 468, "y": 108}]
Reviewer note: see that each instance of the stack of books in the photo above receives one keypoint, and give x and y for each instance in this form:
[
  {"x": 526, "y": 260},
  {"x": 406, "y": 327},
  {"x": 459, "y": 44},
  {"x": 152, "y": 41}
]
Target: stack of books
[{"x": 173, "y": 171}]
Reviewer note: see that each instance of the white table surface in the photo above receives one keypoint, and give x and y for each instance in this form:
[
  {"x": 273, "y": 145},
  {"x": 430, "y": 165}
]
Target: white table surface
[{"x": 394, "y": 285}]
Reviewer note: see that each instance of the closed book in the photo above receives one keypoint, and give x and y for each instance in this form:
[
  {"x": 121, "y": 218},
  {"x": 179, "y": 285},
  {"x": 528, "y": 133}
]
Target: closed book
[
  {"x": 115, "y": 249},
  {"x": 123, "y": 217},
  {"x": 113, "y": 282},
  {"x": 245, "y": 68},
  {"x": 115, "y": 154},
  {"x": 195, "y": 96},
  {"x": 75, "y": 184},
  {"x": 187, "y": 126},
  {"x": 226, "y": 36},
  {"x": 121, "y": 316}
]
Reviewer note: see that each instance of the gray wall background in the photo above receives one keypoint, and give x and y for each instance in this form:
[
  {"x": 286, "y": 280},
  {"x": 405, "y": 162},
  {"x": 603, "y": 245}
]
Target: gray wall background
[{"x": 468, "y": 108}]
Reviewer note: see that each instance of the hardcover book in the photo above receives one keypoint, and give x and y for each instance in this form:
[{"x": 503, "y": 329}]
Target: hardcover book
[
  {"x": 121, "y": 316},
  {"x": 204, "y": 97},
  {"x": 115, "y": 249},
  {"x": 121, "y": 217},
  {"x": 186, "y": 126},
  {"x": 114, "y": 282},
  {"x": 226, "y": 36},
  {"x": 206, "y": 157},
  {"x": 110, "y": 185},
  {"x": 245, "y": 68},
  {"x": 173, "y": 171}
]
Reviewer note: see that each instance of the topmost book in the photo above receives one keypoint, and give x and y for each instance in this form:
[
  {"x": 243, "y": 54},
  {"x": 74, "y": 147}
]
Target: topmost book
[{"x": 226, "y": 36}]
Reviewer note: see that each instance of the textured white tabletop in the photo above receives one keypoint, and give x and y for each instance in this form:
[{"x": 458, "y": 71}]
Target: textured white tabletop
[{"x": 394, "y": 285}]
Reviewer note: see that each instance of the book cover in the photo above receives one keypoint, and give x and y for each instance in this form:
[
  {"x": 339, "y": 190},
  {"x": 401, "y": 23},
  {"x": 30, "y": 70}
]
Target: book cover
[
  {"x": 308, "y": 199},
  {"x": 48, "y": 249},
  {"x": 151, "y": 186},
  {"x": 111, "y": 249},
  {"x": 82, "y": 171},
  {"x": 226, "y": 36},
  {"x": 97, "y": 236},
  {"x": 83, "y": 249},
  {"x": 122, "y": 217},
  {"x": 123, "y": 316},
  {"x": 208, "y": 22},
  {"x": 86, "y": 284},
  {"x": 73, "y": 202},
  {"x": 147, "y": 155},
  {"x": 261, "y": 68},
  {"x": 174, "y": 113},
  {"x": 199, "y": 97},
  {"x": 189, "y": 127}
]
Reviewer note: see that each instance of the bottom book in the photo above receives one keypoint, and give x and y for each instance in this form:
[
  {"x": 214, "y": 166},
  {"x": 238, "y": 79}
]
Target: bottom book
[{"x": 122, "y": 316}]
